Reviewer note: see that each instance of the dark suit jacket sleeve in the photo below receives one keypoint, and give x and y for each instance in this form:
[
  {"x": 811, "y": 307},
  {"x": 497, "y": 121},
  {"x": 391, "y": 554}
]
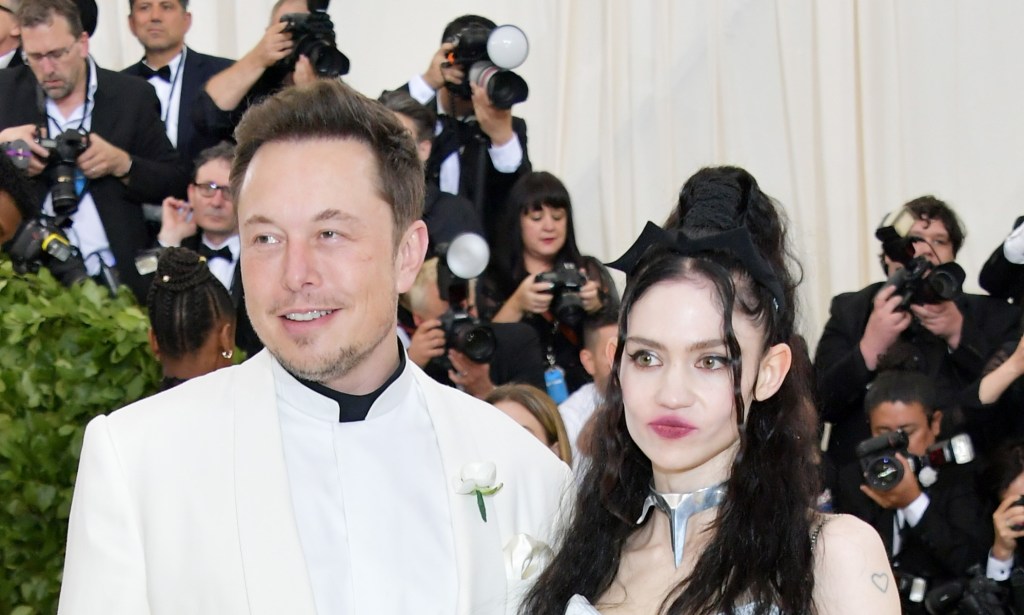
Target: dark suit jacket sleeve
[
  {"x": 988, "y": 324},
  {"x": 840, "y": 373},
  {"x": 1000, "y": 277},
  {"x": 955, "y": 528},
  {"x": 157, "y": 171},
  {"x": 519, "y": 357}
]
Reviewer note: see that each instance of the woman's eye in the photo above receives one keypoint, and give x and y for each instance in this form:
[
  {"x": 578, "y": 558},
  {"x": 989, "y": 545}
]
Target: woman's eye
[
  {"x": 643, "y": 358},
  {"x": 713, "y": 362}
]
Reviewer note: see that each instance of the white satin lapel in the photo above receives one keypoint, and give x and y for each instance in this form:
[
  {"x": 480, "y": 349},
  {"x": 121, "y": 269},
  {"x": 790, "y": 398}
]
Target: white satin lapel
[
  {"x": 275, "y": 569},
  {"x": 478, "y": 546}
]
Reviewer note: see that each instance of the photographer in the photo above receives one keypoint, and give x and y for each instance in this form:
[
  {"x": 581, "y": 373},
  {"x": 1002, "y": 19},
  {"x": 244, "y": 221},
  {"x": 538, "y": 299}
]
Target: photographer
[
  {"x": 268, "y": 67},
  {"x": 538, "y": 276},
  {"x": 931, "y": 521},
  {"x": 952, "y": 338},
  {"x": 479, "y": 149},
  {"x": 516, "y": 358},
  {"x": 108, "y": 153}
]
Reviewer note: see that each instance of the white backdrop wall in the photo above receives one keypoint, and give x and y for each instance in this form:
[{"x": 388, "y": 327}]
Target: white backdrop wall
[{"x": 842, "y": 110}]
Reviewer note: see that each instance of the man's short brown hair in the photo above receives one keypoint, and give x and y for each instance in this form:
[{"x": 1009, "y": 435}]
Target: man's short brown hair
[
  {"x": 34, "y": 13},
  {"x": 329, "y": 109}
]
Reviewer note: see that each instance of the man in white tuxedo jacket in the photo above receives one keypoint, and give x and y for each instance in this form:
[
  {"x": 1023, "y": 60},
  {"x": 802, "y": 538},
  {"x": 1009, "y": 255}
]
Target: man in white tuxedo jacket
[{"x": 327, "y": 474}]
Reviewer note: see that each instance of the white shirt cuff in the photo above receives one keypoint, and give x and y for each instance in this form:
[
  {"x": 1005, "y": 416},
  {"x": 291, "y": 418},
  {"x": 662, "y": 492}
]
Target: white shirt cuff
[
  {"x": 420, "y": 89},
  {"x": 997, "y": 569},
  {"x": 507, "y": 157},
  {"x": 916, "y": 509},
  {"x": 1013, "y": 247}
]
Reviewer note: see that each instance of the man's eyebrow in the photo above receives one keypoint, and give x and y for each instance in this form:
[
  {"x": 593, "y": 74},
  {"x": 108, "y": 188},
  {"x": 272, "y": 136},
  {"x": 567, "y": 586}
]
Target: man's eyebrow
[
  {"x": 257, "y": 219},
  {"x": 327, "y": 214}
]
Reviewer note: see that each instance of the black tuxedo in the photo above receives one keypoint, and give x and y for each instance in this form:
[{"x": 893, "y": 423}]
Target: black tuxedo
[
  {"x": 245, "y": 335},
  {"x": 126, "y": 113},
  {"x": 486, "y": 187},
  {"x": 841, "y": 376},
  {"x": 1000, "y": 277},
  {"x": 16, "y": 60},
  {"x": 954, "y": 533},
  {"x": 198, "y": 69}
]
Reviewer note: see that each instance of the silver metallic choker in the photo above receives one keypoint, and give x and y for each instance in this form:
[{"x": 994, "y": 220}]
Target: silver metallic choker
[{"x": 680, "y": 507}]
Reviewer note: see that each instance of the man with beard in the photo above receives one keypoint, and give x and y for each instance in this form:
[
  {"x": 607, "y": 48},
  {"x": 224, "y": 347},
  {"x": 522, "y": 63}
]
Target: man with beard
[{"x": 327, "y": 474}]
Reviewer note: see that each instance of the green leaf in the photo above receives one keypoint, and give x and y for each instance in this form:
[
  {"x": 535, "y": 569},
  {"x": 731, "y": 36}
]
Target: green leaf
[{"x": 480, "y": 505}]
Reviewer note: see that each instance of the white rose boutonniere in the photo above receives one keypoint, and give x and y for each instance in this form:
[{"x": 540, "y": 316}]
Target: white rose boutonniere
[{"x": 477, "y": 478}]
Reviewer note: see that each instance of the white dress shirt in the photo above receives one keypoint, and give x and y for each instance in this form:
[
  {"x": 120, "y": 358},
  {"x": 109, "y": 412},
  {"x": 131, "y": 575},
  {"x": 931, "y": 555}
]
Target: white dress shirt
[
  {"x": 5, "y": 59},
  {"x": 221, "y": 268},
  {"x": 370, "y": 500}
]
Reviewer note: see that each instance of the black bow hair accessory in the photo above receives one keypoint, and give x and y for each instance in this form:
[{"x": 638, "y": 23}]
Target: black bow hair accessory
[{"x": 736, "y": 242}]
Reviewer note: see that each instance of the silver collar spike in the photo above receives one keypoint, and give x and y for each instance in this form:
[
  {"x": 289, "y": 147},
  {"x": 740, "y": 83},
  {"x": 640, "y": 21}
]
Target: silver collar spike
[{"x": 680, "y": 507}]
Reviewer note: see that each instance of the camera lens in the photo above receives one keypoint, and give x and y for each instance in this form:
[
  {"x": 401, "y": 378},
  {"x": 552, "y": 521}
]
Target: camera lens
[
  {"x": 475, "y": 340},
  {"x": 326, "y": 59},
  {"x": 568, "y": 308},
  {"x": 883, "y": 473}
]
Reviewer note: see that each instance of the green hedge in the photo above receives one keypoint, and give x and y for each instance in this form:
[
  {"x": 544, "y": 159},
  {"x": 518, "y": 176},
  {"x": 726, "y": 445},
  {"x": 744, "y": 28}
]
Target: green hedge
[{"x": 66, "y": 355}]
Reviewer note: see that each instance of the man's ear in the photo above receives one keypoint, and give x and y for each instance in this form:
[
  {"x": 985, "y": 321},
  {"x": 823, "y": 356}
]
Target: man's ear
[
  {"x": 423, "y": 149},
  {"x": 587, "y": 360},
  {"x": 936, "y": 423},
  {"x": 609, "y": 350},
  {"x": 409, "y": 258},
  {"x": 772, "y": 371}
]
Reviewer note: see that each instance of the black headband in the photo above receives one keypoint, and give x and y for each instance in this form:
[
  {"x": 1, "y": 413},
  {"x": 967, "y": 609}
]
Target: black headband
[{"x": 735, "y": 241}]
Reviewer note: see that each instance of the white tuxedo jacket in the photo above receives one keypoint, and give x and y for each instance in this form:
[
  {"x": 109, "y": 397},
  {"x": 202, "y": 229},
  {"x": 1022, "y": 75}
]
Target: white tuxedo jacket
[{"x": 182, "y": 504}]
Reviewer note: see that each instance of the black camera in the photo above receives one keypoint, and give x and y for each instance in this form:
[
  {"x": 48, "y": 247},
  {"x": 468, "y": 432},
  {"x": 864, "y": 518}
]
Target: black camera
[
  {"x": 918, "y": 281},
  {"x": 41, "y": 241},
  {"x": 883, "y": 471},
  {"x": 566, "y": 283},
  {"x": 313, "y": 37},
  {"x": 458, "y": 262},
  {"x": 486, "y": 56},
  {"x": 62, "y": 166}
]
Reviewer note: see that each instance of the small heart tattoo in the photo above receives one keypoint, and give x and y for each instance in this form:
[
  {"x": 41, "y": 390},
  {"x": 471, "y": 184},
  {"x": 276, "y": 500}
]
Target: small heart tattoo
[{"x": 881, "y": 581}]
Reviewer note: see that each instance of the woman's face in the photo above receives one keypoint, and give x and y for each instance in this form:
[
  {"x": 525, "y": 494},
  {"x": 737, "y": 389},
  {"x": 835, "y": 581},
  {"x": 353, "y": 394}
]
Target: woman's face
[
  {"x": 677, "y": 384},
  {"x": 544, "y": 232}
]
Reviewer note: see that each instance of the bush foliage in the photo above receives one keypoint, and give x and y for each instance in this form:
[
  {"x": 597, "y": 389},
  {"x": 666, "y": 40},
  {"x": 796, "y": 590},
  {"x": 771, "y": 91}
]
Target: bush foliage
[{"x": 66, "y": 355}]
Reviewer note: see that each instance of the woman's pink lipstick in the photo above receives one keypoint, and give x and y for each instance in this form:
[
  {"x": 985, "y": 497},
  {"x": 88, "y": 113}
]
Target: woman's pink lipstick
[{"x": 671, "y": 428}]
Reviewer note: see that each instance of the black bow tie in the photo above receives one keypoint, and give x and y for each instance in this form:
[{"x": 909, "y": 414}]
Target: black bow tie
[
  {"x": 163, "y": 73},
  {"x": 210, "y": 253}
]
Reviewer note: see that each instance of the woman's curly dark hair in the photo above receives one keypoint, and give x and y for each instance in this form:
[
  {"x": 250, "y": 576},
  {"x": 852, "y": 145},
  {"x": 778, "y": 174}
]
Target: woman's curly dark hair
[{"x": 760, "y": 546}]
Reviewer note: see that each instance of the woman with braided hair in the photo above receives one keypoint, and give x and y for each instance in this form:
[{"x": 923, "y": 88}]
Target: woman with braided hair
[
  {"x": 700, "y": 497},
  {"x": 192, "y": 319}
]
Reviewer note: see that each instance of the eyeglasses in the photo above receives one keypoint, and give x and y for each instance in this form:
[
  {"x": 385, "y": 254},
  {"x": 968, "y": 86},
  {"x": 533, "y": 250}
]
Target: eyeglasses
[
  {"x": 54, "y": 56},
  {"x": 208, "y": 189}
]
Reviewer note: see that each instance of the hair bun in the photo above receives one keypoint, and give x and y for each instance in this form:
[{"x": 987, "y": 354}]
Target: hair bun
[
  {"x": 180, "y": 269},
  {"x": 716, "y": 199}
]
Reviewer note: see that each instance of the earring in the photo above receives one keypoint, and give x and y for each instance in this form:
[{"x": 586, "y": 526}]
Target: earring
[{"x": 227, "y": 354}]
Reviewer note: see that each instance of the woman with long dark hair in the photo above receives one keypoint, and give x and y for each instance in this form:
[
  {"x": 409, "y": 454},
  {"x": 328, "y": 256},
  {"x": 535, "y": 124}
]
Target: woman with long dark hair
[
  {"x": 538, "y": 239},
  {"x": 700, "y": 497}
]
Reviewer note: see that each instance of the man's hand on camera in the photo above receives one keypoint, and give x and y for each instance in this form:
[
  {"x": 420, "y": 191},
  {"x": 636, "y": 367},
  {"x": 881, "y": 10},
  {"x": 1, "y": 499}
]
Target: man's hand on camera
[
  {"x": 439, "y": 70},
  {"x": 275, "y": 45},
  {"x": 474, "y": 378},
  {"x": 900, "y": 496},
  {"x": 942, "y": 319},
  {"x": 884, "y": 326},
  {"x": 27, "y": 133},
  {"x": 496, "y": 123},
  {"x": 102, "y": 158},
  {"x": 427, "y": 342},
  {"x": 176, "y": 222},
  {"x": 1008, "y": 515}
]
